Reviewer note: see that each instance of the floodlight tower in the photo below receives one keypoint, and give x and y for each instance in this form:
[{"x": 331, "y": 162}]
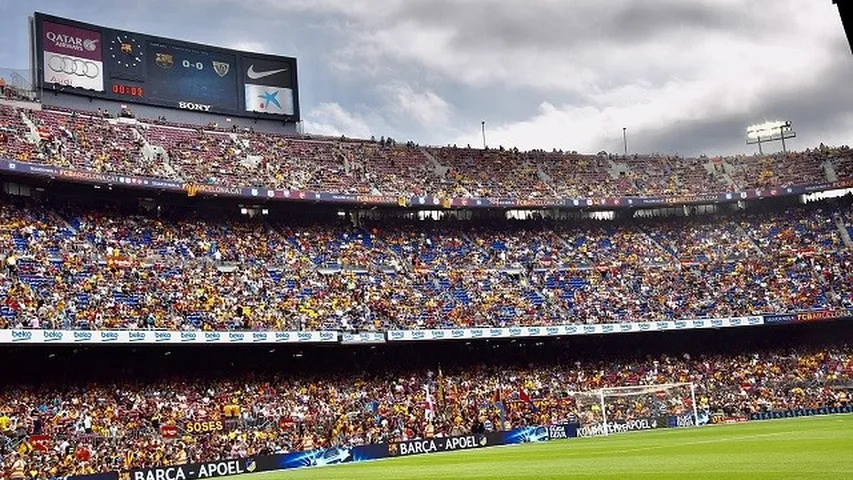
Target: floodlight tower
[{"x": 769, "y": 132}]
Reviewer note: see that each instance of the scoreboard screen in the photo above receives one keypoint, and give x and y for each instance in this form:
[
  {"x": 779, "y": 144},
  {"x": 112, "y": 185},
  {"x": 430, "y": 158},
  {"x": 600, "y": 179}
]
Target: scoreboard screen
[
  {"x": 132, "y": 67},
  {"x": 196, "y": 76}
]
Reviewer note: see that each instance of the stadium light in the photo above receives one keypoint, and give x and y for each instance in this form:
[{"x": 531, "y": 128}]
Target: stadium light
[{"x": 769, "y": 132}]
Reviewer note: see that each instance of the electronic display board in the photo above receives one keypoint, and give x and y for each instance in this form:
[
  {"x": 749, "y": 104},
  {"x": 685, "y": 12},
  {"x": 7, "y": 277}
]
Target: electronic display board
[{"x": 126, "y": 66}]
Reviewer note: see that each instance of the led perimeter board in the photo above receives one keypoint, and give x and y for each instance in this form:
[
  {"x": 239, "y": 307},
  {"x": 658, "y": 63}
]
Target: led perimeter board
[{"x": 101, "y": 62}]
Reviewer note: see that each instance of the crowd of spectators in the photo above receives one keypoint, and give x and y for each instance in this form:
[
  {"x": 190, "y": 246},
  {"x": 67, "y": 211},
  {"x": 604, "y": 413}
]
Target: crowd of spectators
[
  {"x": 76, "y": 267},
  {"x": 80, "y": 267},
  {"x": 70, "y": 429},
  {"x": 211, "y": 155}
]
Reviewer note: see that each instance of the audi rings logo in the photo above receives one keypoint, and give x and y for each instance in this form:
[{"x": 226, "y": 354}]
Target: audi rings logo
[{"x": 74, "y": 66}]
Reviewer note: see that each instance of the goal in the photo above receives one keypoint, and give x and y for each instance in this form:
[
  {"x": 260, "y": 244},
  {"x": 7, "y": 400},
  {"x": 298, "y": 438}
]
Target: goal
[{"x": 640, "y": 407}]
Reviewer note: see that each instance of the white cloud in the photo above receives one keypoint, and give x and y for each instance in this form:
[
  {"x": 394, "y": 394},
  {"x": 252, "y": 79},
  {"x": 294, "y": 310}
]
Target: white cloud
[
  {"x": 257, "y": 47},
  {"x": 331, "y": 119},
  {"x": 426, "y": 107},
  {"x": 686, "y": 72},
  {"x": 547, "y": 73}
]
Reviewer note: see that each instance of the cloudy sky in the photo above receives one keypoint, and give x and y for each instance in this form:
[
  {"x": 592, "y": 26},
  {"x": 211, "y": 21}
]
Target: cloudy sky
[{"x": 683, "y": 76}]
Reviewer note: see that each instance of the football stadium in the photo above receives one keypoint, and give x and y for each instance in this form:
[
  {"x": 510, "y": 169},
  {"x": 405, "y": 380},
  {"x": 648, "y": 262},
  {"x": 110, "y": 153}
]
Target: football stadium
[{"x": 201, "y": 279}]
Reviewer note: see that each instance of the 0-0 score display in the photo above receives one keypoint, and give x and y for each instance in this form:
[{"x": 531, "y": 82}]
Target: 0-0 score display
[{"x": 181, "y": 75}]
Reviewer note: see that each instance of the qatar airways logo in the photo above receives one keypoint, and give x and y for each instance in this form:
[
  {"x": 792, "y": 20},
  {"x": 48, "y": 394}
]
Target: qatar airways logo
[{"x": 70, "y": 42}]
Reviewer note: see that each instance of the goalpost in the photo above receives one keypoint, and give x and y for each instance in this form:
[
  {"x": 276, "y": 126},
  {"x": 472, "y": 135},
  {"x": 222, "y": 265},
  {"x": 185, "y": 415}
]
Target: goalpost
[{"x": 638, "y": 407}]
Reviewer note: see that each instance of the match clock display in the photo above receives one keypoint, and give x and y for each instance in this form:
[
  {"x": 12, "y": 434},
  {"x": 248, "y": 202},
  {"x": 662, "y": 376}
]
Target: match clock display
[{"x": 126, "y": 55}]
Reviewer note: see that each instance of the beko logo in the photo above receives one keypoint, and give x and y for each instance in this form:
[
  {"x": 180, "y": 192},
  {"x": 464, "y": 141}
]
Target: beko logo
[
  {"x": 282, "y": 336},
  {"x": 198, "y": 107},
  {"x": 21, "y": 336},
  {"x": 82, "y": 336},
  {"x": 109, "y": 336}
]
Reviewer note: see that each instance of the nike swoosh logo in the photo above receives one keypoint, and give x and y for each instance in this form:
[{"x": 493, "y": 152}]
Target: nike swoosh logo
[{"x": 256, "y": 75}]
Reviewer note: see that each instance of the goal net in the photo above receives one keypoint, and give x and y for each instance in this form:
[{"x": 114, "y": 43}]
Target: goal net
[{"x": 641, "y": 407}]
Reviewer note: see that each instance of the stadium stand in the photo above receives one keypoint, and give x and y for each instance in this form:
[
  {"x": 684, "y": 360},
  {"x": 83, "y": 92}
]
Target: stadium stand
[
  {"x": 73, "y": 263},
  {"x": 114, "y": 418},
  {"x": 212, "y": 155},
  {"x": 93, "y": 267}
]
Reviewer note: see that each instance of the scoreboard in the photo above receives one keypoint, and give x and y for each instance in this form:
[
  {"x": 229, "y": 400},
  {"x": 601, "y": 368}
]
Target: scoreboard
[{"x": 126, "y": 66}]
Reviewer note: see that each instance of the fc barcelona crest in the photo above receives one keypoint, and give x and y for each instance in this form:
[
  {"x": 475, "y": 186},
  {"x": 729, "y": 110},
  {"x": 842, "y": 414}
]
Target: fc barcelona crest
[
  {"x": 127, "y": 49},
  {"x": 221, "y": 68},
  {"x": 164, "y": 60}
]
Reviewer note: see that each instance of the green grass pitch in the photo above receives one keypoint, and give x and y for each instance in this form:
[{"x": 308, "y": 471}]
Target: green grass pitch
[{"x": 799, "y": 448}]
